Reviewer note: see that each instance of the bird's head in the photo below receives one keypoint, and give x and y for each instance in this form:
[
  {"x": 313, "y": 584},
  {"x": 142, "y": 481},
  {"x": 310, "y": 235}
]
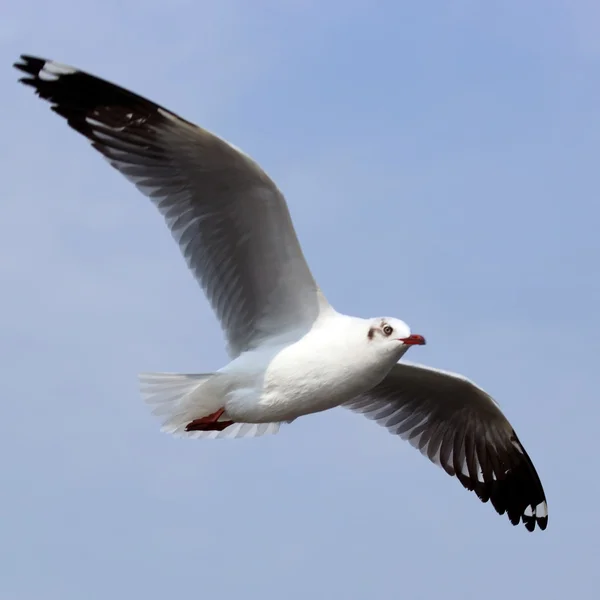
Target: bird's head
[{"x": 392, "y": 335}]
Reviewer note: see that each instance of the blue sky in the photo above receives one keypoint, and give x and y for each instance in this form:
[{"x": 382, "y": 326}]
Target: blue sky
[{"x": 440, "y": 163}]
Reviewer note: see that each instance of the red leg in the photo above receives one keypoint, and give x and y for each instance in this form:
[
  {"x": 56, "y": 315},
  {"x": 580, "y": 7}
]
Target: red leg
[{"x": 209, "y": 423}]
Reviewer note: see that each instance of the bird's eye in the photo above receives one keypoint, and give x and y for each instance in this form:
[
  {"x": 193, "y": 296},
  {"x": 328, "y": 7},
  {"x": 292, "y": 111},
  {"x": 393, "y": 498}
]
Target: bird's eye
[{"x": 388, "y": 330}]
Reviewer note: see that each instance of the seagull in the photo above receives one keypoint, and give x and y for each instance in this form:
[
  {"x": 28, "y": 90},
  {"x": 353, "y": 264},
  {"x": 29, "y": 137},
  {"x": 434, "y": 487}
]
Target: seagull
[{"x": 292, "y": 354}]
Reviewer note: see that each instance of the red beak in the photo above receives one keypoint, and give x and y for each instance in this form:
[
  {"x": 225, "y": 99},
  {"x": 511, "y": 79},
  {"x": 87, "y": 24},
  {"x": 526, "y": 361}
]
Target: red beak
[{"x": 414, "y": 340}]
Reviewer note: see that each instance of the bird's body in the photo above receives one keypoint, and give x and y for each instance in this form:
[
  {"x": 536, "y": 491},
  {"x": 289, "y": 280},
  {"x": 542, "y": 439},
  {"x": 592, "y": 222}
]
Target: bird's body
[
  {"x": 330, "y": 365},
  {"x": 278, "y": 382},
  {"x": 291, "y": 352}
]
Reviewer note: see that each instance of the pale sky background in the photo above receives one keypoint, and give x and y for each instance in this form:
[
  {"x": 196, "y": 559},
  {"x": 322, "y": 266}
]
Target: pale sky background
[{"x": 440, "y": 160}]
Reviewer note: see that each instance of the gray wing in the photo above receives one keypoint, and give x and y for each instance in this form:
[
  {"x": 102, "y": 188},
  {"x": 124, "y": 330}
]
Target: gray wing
[
  {"x": 229, "y": 219},
  {"x": 460, "y": 428}
]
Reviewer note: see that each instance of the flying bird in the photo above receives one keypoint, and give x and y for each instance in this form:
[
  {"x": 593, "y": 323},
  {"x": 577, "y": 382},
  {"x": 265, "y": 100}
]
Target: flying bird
[{"x": 292, "y": 353}]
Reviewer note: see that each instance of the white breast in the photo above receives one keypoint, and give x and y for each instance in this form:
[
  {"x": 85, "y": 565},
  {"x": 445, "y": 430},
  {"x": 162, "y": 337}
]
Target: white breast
[{"x": 326, "y": 367}]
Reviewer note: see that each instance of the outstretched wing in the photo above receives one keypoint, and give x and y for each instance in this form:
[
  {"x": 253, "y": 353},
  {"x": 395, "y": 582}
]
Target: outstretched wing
[
  {"x": 460, "y": 428},
  {"x": 229, "y": 219}
]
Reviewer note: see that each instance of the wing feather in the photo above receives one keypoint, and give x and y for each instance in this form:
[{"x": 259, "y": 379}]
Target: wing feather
[
  {"x": 461, "y": 429},
  {"x": 229, "y": 218}
]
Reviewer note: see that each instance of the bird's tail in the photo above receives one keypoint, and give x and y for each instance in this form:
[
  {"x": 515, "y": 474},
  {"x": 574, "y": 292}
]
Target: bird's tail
[{"x": 179, "y": 399}]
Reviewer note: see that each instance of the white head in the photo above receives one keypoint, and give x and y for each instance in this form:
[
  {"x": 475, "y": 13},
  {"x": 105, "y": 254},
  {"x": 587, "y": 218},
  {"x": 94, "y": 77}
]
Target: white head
[{"x": 392, "y": 335}]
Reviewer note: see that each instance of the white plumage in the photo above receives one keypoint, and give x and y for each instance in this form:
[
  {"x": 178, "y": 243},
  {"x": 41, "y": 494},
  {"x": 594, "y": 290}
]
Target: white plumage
[{"x": 292, "y": 353}]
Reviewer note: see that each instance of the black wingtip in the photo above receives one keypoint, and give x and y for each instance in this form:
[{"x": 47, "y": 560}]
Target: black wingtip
[
  {"x": 29, "y": 64},
  {"x": 75, "y": 95},
  {"x": 529, "y": 523},
  {"x": 32, "y": 66},
  {"x": 518, "y": 492}
]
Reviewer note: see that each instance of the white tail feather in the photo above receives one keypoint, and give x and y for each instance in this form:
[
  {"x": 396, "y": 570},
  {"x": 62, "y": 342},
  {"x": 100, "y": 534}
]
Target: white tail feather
[
  {"x": 178, "y": 399},
  {"x": 237, "y": 430}
]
